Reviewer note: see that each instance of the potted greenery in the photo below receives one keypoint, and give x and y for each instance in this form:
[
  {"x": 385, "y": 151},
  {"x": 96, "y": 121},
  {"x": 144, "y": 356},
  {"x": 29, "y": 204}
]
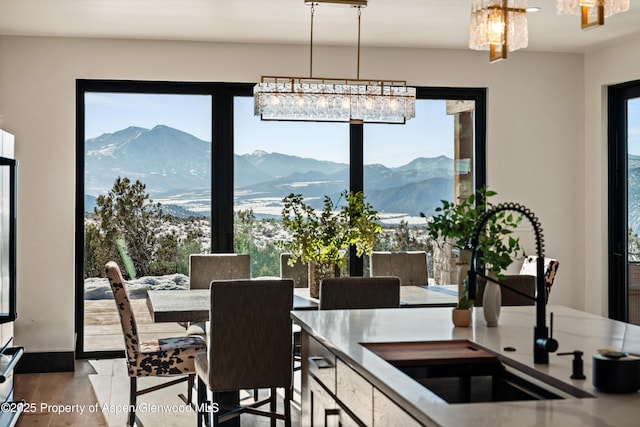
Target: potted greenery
[
  {"x": 454, "y": 224},
  {"x": 322, "y": 238},
  {"x": 461, "y": 314}
]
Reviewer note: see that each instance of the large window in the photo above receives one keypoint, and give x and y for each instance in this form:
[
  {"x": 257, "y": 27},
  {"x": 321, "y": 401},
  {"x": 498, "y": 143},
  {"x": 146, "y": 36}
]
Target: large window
[
  {"x": 203, "y": 174},
  {"x": 147, "y": 201}
]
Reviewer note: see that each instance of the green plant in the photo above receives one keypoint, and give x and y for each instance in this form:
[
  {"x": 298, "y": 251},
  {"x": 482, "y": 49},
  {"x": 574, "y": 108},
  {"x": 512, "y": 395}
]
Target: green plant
[
  {"x": 325, "y": 235},
  {"x": 454, "y": 223},
  {"x": 464, "y": 302}
]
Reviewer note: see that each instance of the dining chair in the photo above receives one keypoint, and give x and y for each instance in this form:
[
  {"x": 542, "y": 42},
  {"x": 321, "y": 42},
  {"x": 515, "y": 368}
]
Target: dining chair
[
  {"x": 550, "y": 269},
  {"x": 359, "y": 292},
  {"x": 163, "y": 357},
  {"x": 250, "y": 347},
  {"x": 299, "y": 271},
  {"x": 410, "y": 266},
  {"x": 522, "y": 283},
  {"x": 203, "y": 268}
]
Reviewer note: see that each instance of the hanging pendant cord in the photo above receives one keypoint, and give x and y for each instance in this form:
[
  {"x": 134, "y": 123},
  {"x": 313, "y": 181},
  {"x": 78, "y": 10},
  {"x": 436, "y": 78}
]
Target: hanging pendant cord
[
  {"x": 311, "y": 44},
  {"x": 358, "y": 65}
]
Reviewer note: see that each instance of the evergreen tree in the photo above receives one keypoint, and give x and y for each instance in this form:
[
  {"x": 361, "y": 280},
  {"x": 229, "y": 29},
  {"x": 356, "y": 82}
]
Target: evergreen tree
[{"x": 127, "y": 214}]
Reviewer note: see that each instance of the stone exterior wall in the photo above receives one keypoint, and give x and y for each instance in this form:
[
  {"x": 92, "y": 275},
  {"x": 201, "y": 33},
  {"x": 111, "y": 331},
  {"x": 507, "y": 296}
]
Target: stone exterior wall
[{"x": 445, "y": 271}]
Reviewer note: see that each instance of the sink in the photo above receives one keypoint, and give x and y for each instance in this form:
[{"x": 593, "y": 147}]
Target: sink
[{"x": 459, "y": 371}]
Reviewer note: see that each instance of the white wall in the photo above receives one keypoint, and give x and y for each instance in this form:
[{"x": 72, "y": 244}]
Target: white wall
[
  {"x": 535, "y": 140},
  {"x": 607, "y": 66}
]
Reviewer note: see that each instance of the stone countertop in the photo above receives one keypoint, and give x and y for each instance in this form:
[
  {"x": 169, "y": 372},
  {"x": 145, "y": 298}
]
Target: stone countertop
[{"x": 343, "y": 331}]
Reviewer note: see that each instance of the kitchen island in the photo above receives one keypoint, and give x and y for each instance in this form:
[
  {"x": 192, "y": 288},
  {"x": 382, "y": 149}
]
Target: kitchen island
[{"x": 348, "y": 383}]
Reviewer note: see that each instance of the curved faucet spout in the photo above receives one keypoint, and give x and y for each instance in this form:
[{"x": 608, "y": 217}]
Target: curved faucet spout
[{"x": 543, "y": 341}]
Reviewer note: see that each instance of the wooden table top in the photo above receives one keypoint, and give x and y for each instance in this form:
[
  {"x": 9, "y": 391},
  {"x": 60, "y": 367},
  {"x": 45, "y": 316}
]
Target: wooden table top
[{"x": 193, "y": 305}]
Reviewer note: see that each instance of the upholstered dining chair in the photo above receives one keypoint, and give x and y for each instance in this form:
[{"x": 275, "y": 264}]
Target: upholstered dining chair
[
  {"x": 410, "y": 266},
  {"x": 250, "y": 347},
  {"x": 203, "y": 268},
  {"x": 164, "y": 357},
  {"x": 299, "y": 271},
  {"x": 522, "y": 283},
  {"x": 359, "y": 292},
  {"x": 550, "y": 269}
]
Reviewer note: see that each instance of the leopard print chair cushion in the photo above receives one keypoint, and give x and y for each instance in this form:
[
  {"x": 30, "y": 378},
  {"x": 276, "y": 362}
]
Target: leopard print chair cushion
[
  {"x": 550, "y": 268},
  {"x": 161, "y": 357}
]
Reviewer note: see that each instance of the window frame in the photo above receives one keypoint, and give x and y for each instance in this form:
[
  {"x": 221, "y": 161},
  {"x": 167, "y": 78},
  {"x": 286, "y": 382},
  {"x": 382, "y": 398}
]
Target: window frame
[{"x": 617, "y": 245}]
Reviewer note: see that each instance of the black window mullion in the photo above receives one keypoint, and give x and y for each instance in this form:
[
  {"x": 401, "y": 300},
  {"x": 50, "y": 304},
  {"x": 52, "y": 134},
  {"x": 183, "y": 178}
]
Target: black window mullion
[
  {"x": 222, "y": 173},
  {"x": 356, "y": 183}
]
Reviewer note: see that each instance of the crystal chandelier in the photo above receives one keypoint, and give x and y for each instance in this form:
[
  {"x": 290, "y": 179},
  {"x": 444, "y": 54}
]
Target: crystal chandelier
[
  {"x": 592, "y": 12},
  {"x": 498, "y": 26},
  {"x": 334, "y": 99}
]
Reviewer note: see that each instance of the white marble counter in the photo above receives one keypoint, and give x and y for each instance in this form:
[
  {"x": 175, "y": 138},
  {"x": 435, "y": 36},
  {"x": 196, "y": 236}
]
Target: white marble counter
[{"x": 343, "y": 331}]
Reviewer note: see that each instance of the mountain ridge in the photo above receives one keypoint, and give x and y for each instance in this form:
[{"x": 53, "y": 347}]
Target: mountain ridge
[{"x": 172, "y": 163}]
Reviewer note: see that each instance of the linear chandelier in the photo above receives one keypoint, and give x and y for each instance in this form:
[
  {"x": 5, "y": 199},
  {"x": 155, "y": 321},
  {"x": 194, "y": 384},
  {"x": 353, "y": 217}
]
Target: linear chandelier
[
  {"x": 499, "y": 26},
  {"x": 592, "y": 12},
  {"x": 334, "y": 99}
]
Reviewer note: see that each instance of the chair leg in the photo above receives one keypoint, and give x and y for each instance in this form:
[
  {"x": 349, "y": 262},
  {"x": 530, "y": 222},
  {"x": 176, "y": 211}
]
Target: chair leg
[
  {"x": 133, "y": 391},
  {"x": 190, "y": 381},
  {"x": 273, "y": 405},
  {"x": 202, "y": 398},
  {"x": 288, "y": 395},
  {"x": 215, "y": 398}
]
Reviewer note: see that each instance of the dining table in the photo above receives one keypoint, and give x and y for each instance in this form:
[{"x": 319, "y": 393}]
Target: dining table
[{"x": 192, "y": 305}]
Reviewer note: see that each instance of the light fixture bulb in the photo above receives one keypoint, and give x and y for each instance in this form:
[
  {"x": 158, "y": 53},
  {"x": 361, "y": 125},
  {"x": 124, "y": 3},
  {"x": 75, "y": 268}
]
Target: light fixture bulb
[
  {"x": 495, "y": 32},
  {"x": 369, "y": 103}
]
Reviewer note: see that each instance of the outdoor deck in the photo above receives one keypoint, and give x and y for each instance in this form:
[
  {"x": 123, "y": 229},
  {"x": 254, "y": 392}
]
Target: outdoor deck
[{"x": 102, "y": 325}]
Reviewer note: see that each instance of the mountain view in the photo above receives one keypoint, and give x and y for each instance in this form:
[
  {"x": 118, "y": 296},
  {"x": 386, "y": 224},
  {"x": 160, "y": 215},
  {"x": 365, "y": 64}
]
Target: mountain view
[
  {"x": 634, "y": 193},
  {"x": 175, "y": 166}
]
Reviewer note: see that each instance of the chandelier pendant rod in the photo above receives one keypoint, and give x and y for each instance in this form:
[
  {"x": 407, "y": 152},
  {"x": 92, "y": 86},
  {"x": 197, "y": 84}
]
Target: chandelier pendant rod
[
  {"x": 505, "y": 48},
  {"x": 311, "y": 44},
  {"x": 358, "y": 57}
]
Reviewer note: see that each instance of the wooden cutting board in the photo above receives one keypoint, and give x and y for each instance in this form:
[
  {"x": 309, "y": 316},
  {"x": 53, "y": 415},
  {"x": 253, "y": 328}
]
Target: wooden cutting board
[{"x": 431, "y": 352}]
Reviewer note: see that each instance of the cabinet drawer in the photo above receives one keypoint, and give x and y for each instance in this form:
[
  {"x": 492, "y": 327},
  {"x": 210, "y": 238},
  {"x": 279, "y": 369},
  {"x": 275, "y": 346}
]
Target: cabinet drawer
[
  {"x": 322, "y": 406},
  {"x": 387, "y": 413},
  {"x": 354, "y": 392},
  {"x": 322, "y": 365}
]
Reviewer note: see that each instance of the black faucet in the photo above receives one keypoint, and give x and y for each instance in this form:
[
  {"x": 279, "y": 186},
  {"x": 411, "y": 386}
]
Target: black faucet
[{"x": 543, "y": 343}]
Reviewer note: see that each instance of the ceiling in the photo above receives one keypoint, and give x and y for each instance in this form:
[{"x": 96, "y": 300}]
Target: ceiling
[{"x": 397, "y": 23}]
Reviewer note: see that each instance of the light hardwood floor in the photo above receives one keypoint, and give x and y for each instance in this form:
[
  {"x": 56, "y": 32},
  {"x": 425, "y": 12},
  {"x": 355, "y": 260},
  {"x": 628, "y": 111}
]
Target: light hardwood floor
[{"x": 101, "y": 389}]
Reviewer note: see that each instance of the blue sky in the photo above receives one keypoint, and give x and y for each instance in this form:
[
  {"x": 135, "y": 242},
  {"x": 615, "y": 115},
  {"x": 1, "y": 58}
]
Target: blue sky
[
  {"x": 429, "y": 135},
  {"x": 110, "y": 112}
]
